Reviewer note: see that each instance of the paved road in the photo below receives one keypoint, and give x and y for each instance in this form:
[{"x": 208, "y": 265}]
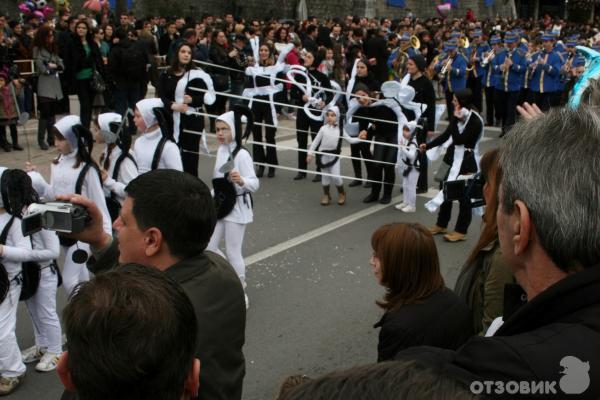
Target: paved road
[{"x": 311, "y": 289}]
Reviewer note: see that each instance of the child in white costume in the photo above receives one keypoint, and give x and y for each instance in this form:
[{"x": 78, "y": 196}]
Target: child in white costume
[
  {"x": 408, "y": 166},
  {"x": 75, "y": 145},
  {"x": 328, "y": 140},
  {"x": 155, "y": 148},
  {"x": 15, "y": 249},
  {"x": 240, "y": 173}
]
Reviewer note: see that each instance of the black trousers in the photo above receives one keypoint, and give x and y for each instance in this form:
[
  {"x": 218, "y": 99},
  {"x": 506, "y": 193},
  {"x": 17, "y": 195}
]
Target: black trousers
[
  {"x": 422, "y": 184},
  {"x": 546, "y": 100},
  {"x": 303, "y": 124},
  {"x": 217, "y": 108},
  {"x": 474, "y": 84},
  {"x": 13, "y": 135},
  {"x": 189, "y": 143},
  {"x": 489, "y": 105},
  {"x": 85, "y": 95},
  {"x": 262, "y": 113},
  {"x": 361, "y": 150},
  {"x": 385, "y": 173},
  {"x": 449, "y": 106},
  {"x": 506, "y": 104},
  {"x": 464, "y": 216}
]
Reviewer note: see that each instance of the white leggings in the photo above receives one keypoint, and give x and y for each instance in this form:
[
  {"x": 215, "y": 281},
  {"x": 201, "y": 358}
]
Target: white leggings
[
  {"x": 234, "y": 239},
  {"x": 409, "y": 187},
  {"x": 333, "y": 170},
  {"x": 11, "y": 364},
  {"x": 73, "y": 273},
  {"x": 42, "y": 310}
]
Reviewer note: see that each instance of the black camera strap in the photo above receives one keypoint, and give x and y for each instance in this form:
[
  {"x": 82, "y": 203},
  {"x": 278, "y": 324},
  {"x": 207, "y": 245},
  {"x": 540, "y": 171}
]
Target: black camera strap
[
  {"x": 81, "y": 177},
  {"x": 4, "y": 234}
]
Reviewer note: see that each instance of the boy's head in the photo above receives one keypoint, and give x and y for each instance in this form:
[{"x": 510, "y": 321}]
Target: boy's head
[
  {"x": 332, "y": 115},
  {"x": 408, "y": 130}
]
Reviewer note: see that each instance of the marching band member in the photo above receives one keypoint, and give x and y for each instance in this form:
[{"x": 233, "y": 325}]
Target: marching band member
[
  {"x": 545, "y": 75},
  {"x": 155, "y": 148},
  {"x": 453, "y": 72},
  {"x": 474, "y": 82},
  {"x": 489, "y": 78},
  {"x": 262, "y": 87},
  {"x": 234, "y": 180},
  {"x": 509, "y": 67}
]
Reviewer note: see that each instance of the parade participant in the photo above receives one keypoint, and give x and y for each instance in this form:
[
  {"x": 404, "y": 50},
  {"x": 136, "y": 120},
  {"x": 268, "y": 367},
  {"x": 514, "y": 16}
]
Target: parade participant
[
  {"x": 545, "y": 75},
  {"x": 262, "y": 87},
  {"x": 73, "y": 171},
  {"x": 155, "y": 148},
  {"x": 9, "y": 113},
  {"x": 466, "y": 130},
  {"x": 489, "y": 78},
  {"x": 419, "y": 309},
  {"x": 316, "y": 99},
  {"x": 329, "y": 140},
  {"x": 175, "y": 90},
  {"x": 14, "y": 249},
  {"x": 409, "y": 168},
  {"x": 117, "y": 165},
  {"x": 424, "y": 94},
  {"x": 234, "y": 178},
  {"x": 452, "y": 72},
  {"x": 509, "y": 67},
  {"x": 383, "y": 121},
  {"x": 532, "y": 52},
  {"x": 474, "y": 80},
  {"x": 575, "y": 72}
]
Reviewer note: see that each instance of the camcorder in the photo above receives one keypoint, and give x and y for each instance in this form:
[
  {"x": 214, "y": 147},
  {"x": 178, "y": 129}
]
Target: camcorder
[
  {"x": 55, "y": 216},
  {"x": 470, "y": 189}
]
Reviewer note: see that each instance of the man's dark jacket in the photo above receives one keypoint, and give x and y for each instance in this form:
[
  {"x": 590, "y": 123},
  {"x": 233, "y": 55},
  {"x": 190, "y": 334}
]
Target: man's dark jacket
[
  {"x": 218, "y": 299},
  {"x": 563, "y": 320}
]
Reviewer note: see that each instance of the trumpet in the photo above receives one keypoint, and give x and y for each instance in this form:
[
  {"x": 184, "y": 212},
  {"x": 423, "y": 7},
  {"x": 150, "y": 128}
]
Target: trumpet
[
  {"x": 490, "y": 56},
  {"x": 445, "y": 68}
]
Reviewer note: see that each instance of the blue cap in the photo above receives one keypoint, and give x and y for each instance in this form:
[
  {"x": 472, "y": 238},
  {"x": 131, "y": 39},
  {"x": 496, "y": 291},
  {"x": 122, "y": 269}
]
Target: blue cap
[
  {"x": 405, "y": 37},
  {"x": 455, "y": 35},
  {"x": 495, "y": 40},
  {"x": 451, "y": 44},
  {"x": 572, "y": 41},
  {"x": 477, "y": 33},
  {"x": 578, "y": 61},
  {"x": 596, "y": 46},
  {"x": 547, "y": 36},
  {"x": 510, "y": 37}
]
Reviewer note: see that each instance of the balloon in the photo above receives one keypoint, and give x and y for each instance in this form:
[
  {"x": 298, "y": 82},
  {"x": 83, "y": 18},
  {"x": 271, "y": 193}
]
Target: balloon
[
  {"x": 93, "y": 5},
  {"x": 24, "y": 9},
  {"x": 38, "y": 14},
  {"x": 47, "y": 10},
  {"x": 443, "y": 9}
]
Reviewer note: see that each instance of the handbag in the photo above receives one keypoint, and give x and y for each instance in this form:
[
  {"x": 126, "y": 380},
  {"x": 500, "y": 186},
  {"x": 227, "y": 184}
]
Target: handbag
[
  {"x": 442, "y": 172},
  {"x": 98, "y": 84}
]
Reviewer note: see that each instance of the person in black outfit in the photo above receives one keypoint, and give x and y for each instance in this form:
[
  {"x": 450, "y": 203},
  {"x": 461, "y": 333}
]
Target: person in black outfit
[
  {"x": 377, "y": 54},
  {"x": 364, "y": 85},
  {"x": 465, "y": 128},
  {"x": 167, "y": 85},
  {"x": 384, "y": 156},
  {"x": 304, "y": 123},
  {"x": 419, "y": 309},
  {"x": 219, "y": 54},
  {"x": 425, "y": 94},
  {"x": 309, "y": 42}
]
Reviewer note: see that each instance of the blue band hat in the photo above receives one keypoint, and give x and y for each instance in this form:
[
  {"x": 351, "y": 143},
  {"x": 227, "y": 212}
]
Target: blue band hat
[
  {"x": 455, "y": 35},
  {"x": 495, "y": 40},
  {"x": 405, "y": 37},
  {"x": 510, "y": 37},
  {"x": 477, "y": 33},
  {"x": 572, "y": 41},
  {"x": 548, "y": 36},
  {"x": 578, "y": 61},
  {"x": 451, "y": 44}
]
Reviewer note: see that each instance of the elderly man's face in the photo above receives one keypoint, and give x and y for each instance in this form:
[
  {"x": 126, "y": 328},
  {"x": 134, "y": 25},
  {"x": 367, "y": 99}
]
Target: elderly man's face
[{"x": 132, "y": 240}]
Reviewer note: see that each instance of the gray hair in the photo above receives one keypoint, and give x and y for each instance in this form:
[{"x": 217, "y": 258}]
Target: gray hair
[{"x": 551, "y": 163}]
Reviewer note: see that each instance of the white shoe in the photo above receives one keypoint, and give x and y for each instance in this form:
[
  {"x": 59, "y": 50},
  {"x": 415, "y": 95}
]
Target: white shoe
[
  {"x": 247, "y": 301},
  {"x": 409, "y": 209},
  {"x": 32, "y": 354},
  {"x": 48, "y": 362},
  {"x": 400, "y": 206}
]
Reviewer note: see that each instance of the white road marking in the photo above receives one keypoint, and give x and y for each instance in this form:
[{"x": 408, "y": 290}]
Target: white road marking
[{"x": 298, "y": 240}]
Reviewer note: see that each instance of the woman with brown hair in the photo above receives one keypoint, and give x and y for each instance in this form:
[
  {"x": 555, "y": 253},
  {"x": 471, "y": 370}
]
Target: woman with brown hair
[
  {"x": 419, "y": 309},
  {"x": 48, "y": 64},
  {"x": 483, "y": 277}
]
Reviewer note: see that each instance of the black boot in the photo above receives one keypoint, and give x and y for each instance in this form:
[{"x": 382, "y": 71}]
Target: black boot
[
  {"x": 356, "y": 182},
  {"x": 300, "y": 176},
  {"x": 15, "y": 141},
  {"x": 317, "y": 178},
  {"x": 271, "y": 172},
  {"x": 371, "y": 198},
  {"x": 260, "y": 171},
  {"x": 4, "y": 143}
]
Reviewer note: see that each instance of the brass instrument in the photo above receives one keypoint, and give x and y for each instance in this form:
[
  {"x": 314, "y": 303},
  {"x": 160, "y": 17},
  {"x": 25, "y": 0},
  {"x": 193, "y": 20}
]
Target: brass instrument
[
  {"x": 489, "y": 57},
  {"x": 445, "y": 68},
  {"x": 399, "y": 64},
  {"x": 415, "y": 43},
  {"x": 464, "y": 42},
  {"x": 430, "y": 71}
]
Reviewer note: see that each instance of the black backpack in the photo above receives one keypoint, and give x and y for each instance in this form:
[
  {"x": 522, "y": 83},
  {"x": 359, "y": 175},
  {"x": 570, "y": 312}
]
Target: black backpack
[{"x": 112, "y": 204}]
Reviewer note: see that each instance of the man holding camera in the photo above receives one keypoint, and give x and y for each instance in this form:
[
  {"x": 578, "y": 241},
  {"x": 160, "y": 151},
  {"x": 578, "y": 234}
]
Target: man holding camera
[{"x": 166, "y": 222}]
